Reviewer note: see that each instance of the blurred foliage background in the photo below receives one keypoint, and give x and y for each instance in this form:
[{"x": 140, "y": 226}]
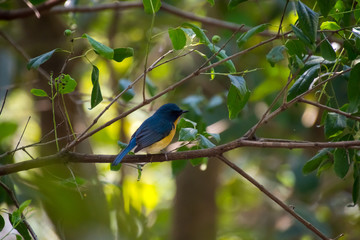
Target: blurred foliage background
[{"x": 199, "y": 202}]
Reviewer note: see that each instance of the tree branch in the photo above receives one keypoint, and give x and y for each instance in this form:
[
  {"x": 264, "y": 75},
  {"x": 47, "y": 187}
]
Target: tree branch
[
  {"x": 28, "y": 12},
  {"x": 65, "y": 157},
  {"x": 287, "y": 208}
]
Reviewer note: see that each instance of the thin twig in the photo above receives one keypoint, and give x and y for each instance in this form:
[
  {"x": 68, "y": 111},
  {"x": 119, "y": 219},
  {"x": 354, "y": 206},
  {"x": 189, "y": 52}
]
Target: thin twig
[
  {"x": 76, "y": 184},
  {"x": 287, "y": 208},
  {"x": 3, "y": 104},
  {"x": 22, "y": 134},
  {"x": 15, "y": 201},
  {"x": 330, "y": 109}
]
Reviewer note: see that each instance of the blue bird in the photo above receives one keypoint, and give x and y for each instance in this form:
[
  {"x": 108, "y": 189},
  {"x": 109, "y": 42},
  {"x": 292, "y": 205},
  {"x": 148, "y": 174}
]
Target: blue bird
[{"x": 155, "y": 133}]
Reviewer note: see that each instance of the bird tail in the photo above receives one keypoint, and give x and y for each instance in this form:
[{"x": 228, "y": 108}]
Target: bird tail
[{"x": 126, "y": 150}]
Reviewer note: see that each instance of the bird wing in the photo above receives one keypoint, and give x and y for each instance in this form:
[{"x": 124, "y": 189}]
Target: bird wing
[{"x": 151, "y": 131}]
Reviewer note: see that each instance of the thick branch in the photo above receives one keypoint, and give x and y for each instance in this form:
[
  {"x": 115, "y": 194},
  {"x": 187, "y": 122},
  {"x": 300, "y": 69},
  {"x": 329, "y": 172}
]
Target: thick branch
[
  {"x": 64, "y": 157},
  {"x": 27, "y": 12}
]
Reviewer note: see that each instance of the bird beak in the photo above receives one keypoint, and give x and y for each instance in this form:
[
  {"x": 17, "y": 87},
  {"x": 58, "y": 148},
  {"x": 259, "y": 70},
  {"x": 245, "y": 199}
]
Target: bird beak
[{"x": 184, "y": 111}]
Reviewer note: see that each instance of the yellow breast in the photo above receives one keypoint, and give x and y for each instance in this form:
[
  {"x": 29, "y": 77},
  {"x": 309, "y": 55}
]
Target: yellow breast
[{"x": 160, "y": 145}]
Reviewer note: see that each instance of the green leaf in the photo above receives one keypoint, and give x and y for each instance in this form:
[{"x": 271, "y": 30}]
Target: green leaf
[
  {"x": 177, "y": 166},
  {"x": 67, "y": 84},
  {"x": 24, "y": 205},
  {"x": 329, "y": 25},
  {"x": 212, "y": 76},
  {"x": 303, "y": 83},
  {"x": 121, "y": 53},
  {"x": 37, "y": 61},
  {"x": 204, "y": 142},
  {"x": 238, "y": 95},
  {"x": 302, "y": 37},
  {"x": 18, "y": 237},
  {"x": 334, "y": 124},
  {"x": 295, "y": 47},
  {"x": 255, "y": 30},
  {"x": 341, "y": 162},
  {"x": 186, "y": 123},
  {"x": 187, "y": 134},
  {"x": 308, "y": 20},
  {"x": 315, "y": 161},
  {"x": 198, "y": 32},
  {"x": 326, "y": 50},
  {"x": 129, "y": 94},
  {"x": 234, "y": 3},
  {"x": 222, "y": 55},
  {"x": 100, "y": 48},
  {"x": 96, "y": 96},
  {"x": 15, "y": 217},
  {"x": 275, "y": 55},
  {"x": 151, "y": 6},
  {"x": 177, "y": 37},
  {"x": 2, "y": 223},
  {"x": 38, "y": 92},
  {"x": 337, "y": 12},
  {"x": 354, "y": 89},
  {"x": 19, "y": 226},
  {"x": 325, "y": 6}
]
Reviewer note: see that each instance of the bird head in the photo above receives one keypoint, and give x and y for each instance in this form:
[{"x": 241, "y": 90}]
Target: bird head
[{"x": 170, "y": 111}]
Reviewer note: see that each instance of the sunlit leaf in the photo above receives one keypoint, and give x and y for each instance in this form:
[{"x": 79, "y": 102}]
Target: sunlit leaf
[
  {"x": 308, "y": 20},
  {"x": 177, "y": 37},
  {"x": 303, "y": 83},
  {"x": 96, "y": 96},
  {"x": 37, "y": 61},
  {"x": 275, "y": 55},
  {"x": 329, "y": 25},
  {"x": 67, "y": 84},
  {"x": 38, "y": 92}
]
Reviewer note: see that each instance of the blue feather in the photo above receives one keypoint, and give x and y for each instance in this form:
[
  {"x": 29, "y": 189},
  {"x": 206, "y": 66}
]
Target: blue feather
[{"x": 122, "y": 154}]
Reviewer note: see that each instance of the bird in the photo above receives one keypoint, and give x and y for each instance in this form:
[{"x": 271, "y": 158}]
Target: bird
[{"x": 155, "y": 133}]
